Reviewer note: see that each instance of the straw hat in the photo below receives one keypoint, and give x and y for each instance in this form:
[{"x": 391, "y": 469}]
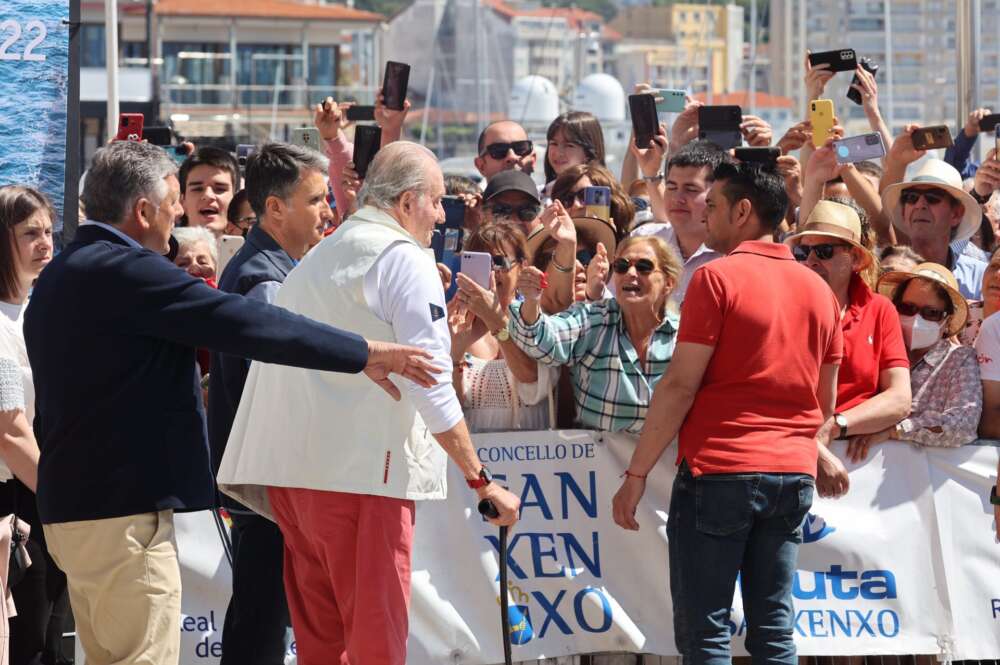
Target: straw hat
[
  {"x": 939, "y": 174},
  {"x": 589, "y": 230},
  {"x": 941, "y": 276},
  {"x": 834, "y": 220}
]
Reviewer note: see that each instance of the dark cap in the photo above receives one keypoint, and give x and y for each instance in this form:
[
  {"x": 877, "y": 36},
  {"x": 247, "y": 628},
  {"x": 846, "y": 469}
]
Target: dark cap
[{"x": 514, "y": 180}]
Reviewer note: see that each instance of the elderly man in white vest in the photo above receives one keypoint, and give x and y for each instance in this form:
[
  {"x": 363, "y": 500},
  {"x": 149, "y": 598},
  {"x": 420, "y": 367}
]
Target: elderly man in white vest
[{"x": 330, "y": 457}]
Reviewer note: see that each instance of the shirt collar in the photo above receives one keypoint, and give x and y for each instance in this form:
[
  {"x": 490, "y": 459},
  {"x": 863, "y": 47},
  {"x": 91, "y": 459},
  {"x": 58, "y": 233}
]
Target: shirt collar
[
  {"x": 937, "y": 353},
  {"x": 130, "y": 241},
  {"x": 771, "y": 250},
  {"x": 859, "y": 295}
]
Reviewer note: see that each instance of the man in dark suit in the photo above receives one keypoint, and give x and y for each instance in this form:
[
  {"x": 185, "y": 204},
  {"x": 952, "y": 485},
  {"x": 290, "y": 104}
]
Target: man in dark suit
[
  {"x": 111, "y": 330},
  {"x": 287, "y": 190}
]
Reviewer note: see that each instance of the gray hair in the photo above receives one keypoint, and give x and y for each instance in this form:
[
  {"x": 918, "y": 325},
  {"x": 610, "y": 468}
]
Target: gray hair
[
  {"x": 120, "y": 174},
  {"x": 192, "y": 235},
  {"x": 398, "y": 168},
  {"x": 276, "y": 170}
]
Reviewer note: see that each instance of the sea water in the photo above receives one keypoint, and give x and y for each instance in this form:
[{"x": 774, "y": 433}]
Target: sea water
[{"x": 33, "y": 87}]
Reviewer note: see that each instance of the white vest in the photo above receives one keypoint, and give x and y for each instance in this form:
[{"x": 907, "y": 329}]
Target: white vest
[{"x": 325, "y": 430}]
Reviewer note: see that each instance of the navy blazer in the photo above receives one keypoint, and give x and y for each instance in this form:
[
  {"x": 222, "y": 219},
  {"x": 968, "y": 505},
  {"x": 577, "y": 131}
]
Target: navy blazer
[{"x": 111, "y": 331}]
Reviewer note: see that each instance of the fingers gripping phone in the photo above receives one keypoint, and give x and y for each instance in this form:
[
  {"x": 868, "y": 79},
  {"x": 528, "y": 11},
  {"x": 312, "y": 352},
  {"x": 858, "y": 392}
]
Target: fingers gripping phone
[
  {"x": 721, "y": 125},
  {"x": 859, "y": 148},
  {"x": 367, "y": 141},
  {"x": 645, "y": 122},
  {"x": 841, "y": 60},
  {"x": 821, "y": 117},
  {"x": 868, "y": 66},
  {"x": 478, "y": 266},
  {"x": 129, "y": 127},
  {"x": 394, "y": 85},
  {"x": 932, "y": 138}
]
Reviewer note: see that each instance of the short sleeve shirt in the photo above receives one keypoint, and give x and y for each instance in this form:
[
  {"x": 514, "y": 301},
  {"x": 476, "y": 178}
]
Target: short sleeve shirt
[
  {"x": 988, "y": 348},
  {"x": 773, "y": 323},
  {"x": 873, "y": 342}
]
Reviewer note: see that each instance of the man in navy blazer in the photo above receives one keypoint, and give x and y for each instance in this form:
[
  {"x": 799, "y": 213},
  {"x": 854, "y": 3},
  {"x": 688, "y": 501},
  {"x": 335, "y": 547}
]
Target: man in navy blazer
[{"x": 111, "y": 329}]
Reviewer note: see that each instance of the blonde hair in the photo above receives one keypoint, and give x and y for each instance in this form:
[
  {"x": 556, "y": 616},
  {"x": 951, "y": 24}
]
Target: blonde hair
[{"x": 666, "y": 259}]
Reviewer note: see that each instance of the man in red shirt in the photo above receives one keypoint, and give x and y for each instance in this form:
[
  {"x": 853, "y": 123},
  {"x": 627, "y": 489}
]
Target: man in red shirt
[
  {"x": 750, "y": 388},
  {"x": 873, "y": 385}
]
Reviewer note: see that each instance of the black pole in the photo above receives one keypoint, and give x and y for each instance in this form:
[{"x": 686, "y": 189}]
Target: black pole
[
  {"x": 71, "y": 184},
  {"x": 489, "y": 510}
]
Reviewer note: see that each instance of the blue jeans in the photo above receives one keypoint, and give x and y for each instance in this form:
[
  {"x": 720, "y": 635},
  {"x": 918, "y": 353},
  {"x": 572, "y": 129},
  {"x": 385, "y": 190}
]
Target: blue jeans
[{"x": 721, "y": 526}]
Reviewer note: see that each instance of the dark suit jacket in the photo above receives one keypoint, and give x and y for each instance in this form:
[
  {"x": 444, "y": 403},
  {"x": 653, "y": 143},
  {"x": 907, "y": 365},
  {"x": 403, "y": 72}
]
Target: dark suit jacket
[{"x": 111, "y": 332}]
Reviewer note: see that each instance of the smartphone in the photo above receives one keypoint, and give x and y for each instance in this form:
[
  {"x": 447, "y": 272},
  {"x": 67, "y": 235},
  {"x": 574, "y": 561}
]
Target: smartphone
[
  {"x": 477, "y": 266},
  {"x": 821, "y": 117},
  {"x": 989, "y": 122},
  {"x": 868, "y": 66},
  {"x": 307, "y": 137},
  {"x": 177, "y": 152},
  {"x": 129, "y": 127},
  {"x": 243, "y": 151},
  {"x": 673, "y": 101},
  {"x": 766, "y": 155},
  {"x": 228, "y": 246},
  {"x": 841, "y": 60},
  {"x": 996, "y": 155},
  {"x": 645, "y": 122},
  {"x": 859, "y": 148},
  {"x": 397, "y": 78},
  {"x": 367, "y": 141},
  {"x": 721, "y": 125},
  {"x": 932, "y": 138},
  {"x": 360, "y": 113},
  {"x": 161, "y": 136},
  {"x": 447, "y": 238},
  {"x": 597, "y": 202}
]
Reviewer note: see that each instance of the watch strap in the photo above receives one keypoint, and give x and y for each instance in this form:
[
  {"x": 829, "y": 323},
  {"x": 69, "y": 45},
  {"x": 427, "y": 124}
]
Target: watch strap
[{"x": 482, "y": 480}]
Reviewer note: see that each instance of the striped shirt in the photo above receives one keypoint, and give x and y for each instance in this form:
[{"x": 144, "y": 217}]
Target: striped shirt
[{"x": 612, "y": 388}]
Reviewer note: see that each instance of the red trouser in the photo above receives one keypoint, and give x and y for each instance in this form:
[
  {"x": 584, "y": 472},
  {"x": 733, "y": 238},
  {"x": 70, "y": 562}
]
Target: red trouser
[{"x": 347, "y": 574}]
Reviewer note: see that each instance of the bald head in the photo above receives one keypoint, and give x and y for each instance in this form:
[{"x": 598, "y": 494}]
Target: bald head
[
  {"x": 503, "y": 132},
  {"x": 399, "y": 167}
]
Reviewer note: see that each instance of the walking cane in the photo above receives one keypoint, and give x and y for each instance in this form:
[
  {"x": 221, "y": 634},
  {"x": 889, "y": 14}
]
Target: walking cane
[{"x": 488, "y": 510}]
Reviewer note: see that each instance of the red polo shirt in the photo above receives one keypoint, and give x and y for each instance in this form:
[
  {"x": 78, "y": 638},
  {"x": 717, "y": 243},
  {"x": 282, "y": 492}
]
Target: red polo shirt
[
  {"x": 773, "y": 323},
  {"x": 873, "y": 341}
]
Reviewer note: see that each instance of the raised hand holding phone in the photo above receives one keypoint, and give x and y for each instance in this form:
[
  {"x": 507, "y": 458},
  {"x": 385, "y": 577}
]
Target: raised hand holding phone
[
  {"x": 650, "y": 160},
  {"x": 327, "y": 119}
]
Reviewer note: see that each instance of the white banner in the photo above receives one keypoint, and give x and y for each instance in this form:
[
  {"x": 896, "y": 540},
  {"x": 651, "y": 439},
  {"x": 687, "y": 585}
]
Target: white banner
[{"x": 906, "y": 563}]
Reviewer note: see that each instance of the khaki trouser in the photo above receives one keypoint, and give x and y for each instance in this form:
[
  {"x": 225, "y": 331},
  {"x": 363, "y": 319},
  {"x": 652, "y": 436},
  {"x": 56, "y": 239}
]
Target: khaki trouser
[{"x": 124, "y": 585}]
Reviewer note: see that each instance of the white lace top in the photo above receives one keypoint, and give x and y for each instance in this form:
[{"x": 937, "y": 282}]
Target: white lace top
[
  {"x": 495, "y": 402},
  {"x": 17, "y": 389}
]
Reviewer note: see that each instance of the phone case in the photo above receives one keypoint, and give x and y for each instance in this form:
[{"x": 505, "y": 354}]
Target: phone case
[
  {"x": 130, "y": 127},
  {"x": 367, "y": 141},
  {"x": 766, "y": 155},
  {"x": 394, "y": 85},
  {"x": 360, "y": 113},
  {"x": 721, "y": 125},
  {"x": 160, "y": 136},
  {"x": 841, "y": 60},
  {"x": 243, "y": 152},
  {"x": 645, "y": 122},
  {"x": 989, "y": 122},
  {"x": 674, "y": 101},
  {"x": 477, "y": 266},
  {"x": 859, "y": 148},
  {"x": 597, "y": 200},
  {"x": 932, "y": 138},
  {"x": 228, "y": 246},
  {"x": 868, "y": 66},
  {"x": 821, "y": 117},
  {"x": 307, "y": 137},
  {"x": 454, "y": 212}
]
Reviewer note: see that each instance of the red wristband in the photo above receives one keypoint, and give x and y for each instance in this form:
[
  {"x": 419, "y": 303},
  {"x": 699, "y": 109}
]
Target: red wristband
[{"x": 629, "y": 474}]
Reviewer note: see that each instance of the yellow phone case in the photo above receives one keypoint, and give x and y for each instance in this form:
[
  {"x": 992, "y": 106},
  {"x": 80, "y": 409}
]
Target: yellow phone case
[{"x": 821, "y": 116}]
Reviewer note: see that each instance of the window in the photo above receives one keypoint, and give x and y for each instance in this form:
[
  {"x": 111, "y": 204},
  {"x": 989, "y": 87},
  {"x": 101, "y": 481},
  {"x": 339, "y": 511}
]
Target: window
[
  {"x": 323, "y": 65},
  {"x": 259, "y": 66},
  {"x": 195, "y": 64},
  {"x": 92, "y": 45}
]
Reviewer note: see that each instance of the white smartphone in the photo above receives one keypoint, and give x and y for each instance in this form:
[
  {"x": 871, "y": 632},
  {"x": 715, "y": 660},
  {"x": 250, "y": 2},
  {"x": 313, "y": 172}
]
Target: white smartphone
[
  {"x": 477, "y": 266},
  {"x": 228, "y": 246}
]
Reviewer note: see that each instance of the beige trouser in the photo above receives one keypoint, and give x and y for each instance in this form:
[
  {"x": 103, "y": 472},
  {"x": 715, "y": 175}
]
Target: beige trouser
[{"x": 124, "y": 585}]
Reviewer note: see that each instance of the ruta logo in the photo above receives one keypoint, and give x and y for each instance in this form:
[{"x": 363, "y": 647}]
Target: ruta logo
[
  {"x": 519, "y": 615},
  {"x": 815, "y": 528}
]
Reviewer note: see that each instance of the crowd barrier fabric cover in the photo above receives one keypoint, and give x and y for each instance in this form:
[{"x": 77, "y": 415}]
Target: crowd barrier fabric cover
[
  {"x": 34, "y": 77},
  {"x": 905, "y": 563}
]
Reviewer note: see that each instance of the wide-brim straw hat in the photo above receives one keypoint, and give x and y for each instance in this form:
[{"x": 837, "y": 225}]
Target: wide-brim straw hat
[
  {"x": 933, "y": 272},
  {"x": 939, "y": 174},
  {"x": 589, "y": 230},
  {"x": 834, "y": 220}
]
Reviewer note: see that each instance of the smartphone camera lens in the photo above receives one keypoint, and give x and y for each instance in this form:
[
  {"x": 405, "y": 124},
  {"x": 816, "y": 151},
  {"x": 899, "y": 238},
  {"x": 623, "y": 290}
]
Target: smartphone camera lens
[{"x": 871, "y": 140}]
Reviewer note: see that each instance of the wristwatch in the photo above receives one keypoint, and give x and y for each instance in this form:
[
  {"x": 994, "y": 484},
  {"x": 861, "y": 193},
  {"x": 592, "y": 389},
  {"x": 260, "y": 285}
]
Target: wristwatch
[
  {"x": 840, "y": 421},
  {"x": 502, "y": 334},
  {"x": 981, "y": 200},
  {"x": 994, "y": 499},
  {"x": 482, "y": 480}
]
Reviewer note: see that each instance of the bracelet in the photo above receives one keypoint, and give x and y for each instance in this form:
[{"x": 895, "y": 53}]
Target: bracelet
[
  {"x": 653, "y": 178},
  {"x": 981, "y": 200},
  {"x": 629, "y": 474},
  {"x": 562, "y": 269}
]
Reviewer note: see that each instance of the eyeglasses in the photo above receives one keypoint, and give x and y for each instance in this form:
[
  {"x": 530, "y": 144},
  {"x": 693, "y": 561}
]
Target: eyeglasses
[
  {"x": 824, "y": 252},
  {"x": 502, "y": 264},
  {"x": 642, "y": 266},
  {"x": 499, "y": 150},
  {"x": 244, "y": 222},
  {"x": 570, "y": 199},
  {"x": 932, "y": 196},
  {"x": 525, "y": 213},
  {"x": 929, "y": 313}
]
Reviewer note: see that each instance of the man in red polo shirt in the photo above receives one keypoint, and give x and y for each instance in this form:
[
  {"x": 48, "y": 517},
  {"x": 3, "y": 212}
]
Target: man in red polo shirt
[
  {"x": 750, "y": 388},
  {"x": 873, "y": 386}
]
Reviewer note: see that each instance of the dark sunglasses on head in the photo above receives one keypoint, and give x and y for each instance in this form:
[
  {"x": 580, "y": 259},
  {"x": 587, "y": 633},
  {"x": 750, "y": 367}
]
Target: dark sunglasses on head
[
  {"x": 929, "y": 313},
  {"x": 824, "y": 252},
  {"x": 525, "y": 213},
  {"x": 932, "y": 196},
  {"x": 569, "y": 199},
  {"x": 502, "y": 264},
  {"x": 642, "y": 266},
  {"x": 499, "y": 150}
]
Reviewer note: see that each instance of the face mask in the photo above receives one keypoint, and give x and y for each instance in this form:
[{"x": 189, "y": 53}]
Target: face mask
[{"x": 919, "y": 333}]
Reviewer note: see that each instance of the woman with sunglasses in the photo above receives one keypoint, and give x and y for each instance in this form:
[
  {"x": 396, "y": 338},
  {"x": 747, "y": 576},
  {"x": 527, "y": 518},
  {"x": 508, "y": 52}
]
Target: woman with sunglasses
[
  {"x": 500, "y": 387},
  {"x": 944, "y": 375},
  {"x": 573, "y": 138},
  {"x": 617, "y": 349},
  {"x": 570, "y": 186}
]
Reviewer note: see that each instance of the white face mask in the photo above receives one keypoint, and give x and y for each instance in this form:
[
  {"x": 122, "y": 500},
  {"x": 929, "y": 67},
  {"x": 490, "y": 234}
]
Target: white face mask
[{"x": 919, "y": 333}]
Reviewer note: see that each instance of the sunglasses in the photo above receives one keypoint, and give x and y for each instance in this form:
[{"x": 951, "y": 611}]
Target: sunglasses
[
  {"x": 824, "y": 252},
  {"x": 569, "y": 199},
  {"x": 499, "y": 150},
  {"x": 502, "y": 264},
  {"x": 932, "y": 196},
  {"x": 642, "y": 266},
  {"x": 929, "y": 313},
  {"x": 585, "y": 256},
  {"x": 525, "y": 213}
]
